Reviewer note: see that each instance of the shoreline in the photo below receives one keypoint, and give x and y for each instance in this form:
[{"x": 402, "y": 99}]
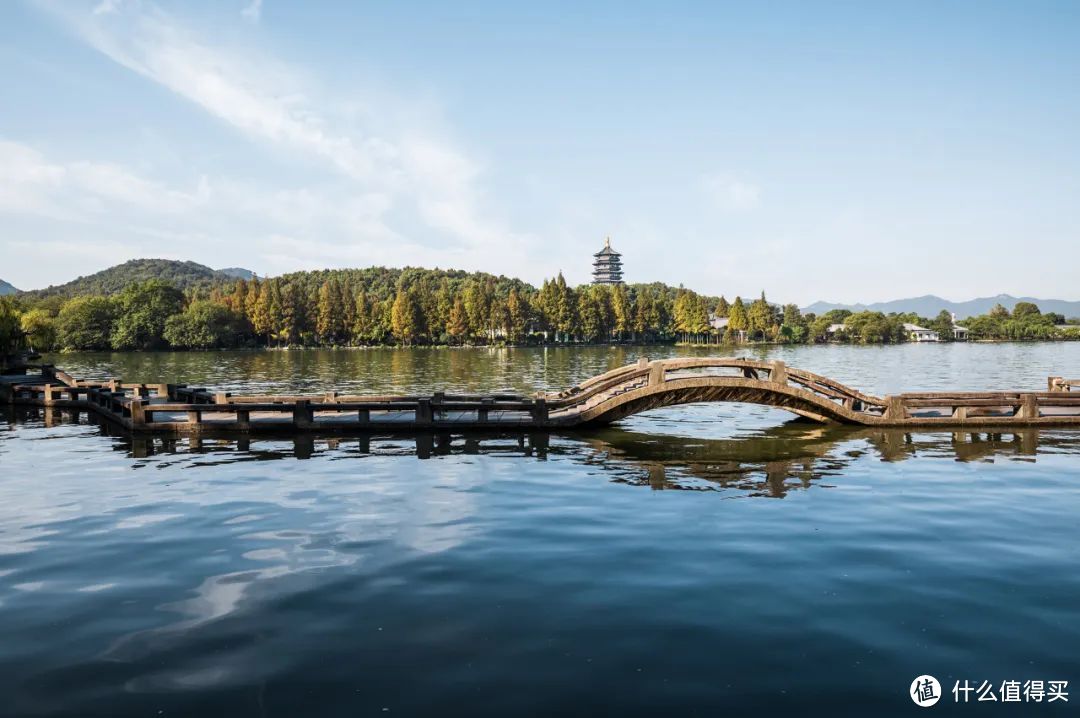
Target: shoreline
[{"x": 582, "y": 345}]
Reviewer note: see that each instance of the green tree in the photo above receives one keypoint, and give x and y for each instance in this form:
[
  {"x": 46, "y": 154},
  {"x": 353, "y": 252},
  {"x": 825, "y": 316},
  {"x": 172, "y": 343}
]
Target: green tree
[
  {"x": 620, "y": 307},
  {"x": 792, "y": 316},
  {"x": 1025, "y": 310},
  {"x": 477, "y": 308},
  {"x": 144, "y": 309},
  {"x": 11, "y": 333},
  {"x": 291, "y": 315},
  {"x": 276, "y": 311},
  {"x": 943, "y": 325},
  {"x": 205, "y": 325},
  {"x": 329, "y": 324},
  {"x": 444, "y": 303},
  {"x": 362, "y": 325},
  {"x": 517, "y": 310},
  {"x": 760, "y": 317},
  {"x": 737, "y": 319},
  {"x": 594, "y": 314},
  {"x": 566, "y": 318},
  {"x": 457, "y": 326},
  {"x": 873, "y": 328},
  {"x": 86, "y": 323},
  {"x": 722, "y": 307},
  {"x": 40, "y": 327}
]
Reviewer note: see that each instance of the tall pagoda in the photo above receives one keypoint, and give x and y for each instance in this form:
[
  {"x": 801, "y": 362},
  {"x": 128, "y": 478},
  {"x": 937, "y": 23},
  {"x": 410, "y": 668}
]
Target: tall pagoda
[{"x": 607, "y": 265}]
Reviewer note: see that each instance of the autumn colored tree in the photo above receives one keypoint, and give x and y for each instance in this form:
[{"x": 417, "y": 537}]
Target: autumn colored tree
[{"x": 404, "y": 317}]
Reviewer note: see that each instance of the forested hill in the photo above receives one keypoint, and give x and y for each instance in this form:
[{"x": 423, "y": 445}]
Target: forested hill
[
  {"x": 158, "y": 304},
  {"x": 6, "y": 288},
  {"x": 107, "y": 282}
]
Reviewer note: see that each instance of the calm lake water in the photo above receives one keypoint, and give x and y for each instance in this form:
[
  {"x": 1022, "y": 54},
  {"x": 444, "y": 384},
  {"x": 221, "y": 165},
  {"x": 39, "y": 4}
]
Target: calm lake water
[{"x": 698, "y": 560}]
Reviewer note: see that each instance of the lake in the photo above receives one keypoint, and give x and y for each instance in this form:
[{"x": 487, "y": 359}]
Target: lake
[{"x": 695, "y": 560}]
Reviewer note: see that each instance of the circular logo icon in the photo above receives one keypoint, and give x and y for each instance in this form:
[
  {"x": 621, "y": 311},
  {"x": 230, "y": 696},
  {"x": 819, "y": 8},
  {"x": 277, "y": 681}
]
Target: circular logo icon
[{"x": 925, "y": 691}]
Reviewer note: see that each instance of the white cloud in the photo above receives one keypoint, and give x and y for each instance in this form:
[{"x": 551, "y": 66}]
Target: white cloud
[
  {"x": 268, "y": 102},
  {"x": 32, "y": 184},
  {"x": 375, "y": 189},
  {"x": 730, "y": 193},
  {"x": 253, "y": 11},
  {"x": 114, "y": 211}
]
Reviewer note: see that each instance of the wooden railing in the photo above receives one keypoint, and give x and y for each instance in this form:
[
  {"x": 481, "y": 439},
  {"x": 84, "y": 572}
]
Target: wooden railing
[
  {"x": 601, "y": 387},
  {"x": 186, "y": 409}
]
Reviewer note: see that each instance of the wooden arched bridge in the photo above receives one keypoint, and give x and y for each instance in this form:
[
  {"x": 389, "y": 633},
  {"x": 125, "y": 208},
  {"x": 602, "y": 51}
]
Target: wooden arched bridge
[{"x": 619, "y": 393}]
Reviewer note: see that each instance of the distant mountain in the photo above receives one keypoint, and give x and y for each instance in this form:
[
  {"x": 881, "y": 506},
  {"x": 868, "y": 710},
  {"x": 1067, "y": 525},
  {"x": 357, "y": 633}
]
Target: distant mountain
[
  {"x": 6, "y": 288},
  {"x": 182, "y": 275},
  {"x": 930, "y": 305},
  {"x": 237, "y": 272}
]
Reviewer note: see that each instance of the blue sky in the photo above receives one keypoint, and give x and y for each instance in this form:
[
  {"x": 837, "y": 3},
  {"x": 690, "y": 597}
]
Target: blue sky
[{"x": 839, "y": 151}]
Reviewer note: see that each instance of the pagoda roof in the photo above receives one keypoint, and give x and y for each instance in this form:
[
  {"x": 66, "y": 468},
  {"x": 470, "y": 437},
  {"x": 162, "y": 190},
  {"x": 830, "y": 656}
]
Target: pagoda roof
[{"x": 607, "y": 251}]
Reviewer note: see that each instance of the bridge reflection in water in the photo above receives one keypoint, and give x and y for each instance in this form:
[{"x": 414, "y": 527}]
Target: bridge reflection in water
[{"x": 771, "y": 462}]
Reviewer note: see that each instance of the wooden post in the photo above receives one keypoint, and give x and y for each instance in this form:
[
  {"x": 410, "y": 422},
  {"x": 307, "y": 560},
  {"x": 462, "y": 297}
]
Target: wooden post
[
  {"x": 657, "y": 373},
  {"x": 138, "y": 413},
  {"x": 423, "y": 412},
  {"x": 303, "y": 416},
  {"x": 540, "y": 411},
  {"x": 330, "y": 397},
  {"x": 959, "y": 413},
  {"x": 47, "y": 395},
  {"x": 363, "y": 416},
  {"x": 1029, "y": 407},
  {"x": 243, "y": 419},
  {"x": 643, "y": 362},
  {"x": 482, "y": 413},
  {"x": 194, "y": 417},
  {"x": 221, "y": 397},
  {"x": 778, "y": 373},
  {"x": 894, "y": 408}
]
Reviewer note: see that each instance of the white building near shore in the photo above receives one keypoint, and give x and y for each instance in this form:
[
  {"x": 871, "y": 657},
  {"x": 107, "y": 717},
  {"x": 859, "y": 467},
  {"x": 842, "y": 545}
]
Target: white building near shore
[{"x": 916, "y": 333}]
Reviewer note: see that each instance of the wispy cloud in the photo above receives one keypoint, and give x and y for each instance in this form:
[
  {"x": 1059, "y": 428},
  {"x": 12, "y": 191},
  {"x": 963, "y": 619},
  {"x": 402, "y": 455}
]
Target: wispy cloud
[
  {"x": 30, "y": 183},
  {"x": 121, "y": 214},
  {"x": 379, "y": 184}
]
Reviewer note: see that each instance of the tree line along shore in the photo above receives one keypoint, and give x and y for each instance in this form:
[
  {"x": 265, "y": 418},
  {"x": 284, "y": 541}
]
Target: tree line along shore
[{"x": 379, "y": 306}]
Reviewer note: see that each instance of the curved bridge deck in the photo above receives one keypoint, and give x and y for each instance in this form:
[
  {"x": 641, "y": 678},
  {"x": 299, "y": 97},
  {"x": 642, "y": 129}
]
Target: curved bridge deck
[{"x": 178, "y": 408}]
